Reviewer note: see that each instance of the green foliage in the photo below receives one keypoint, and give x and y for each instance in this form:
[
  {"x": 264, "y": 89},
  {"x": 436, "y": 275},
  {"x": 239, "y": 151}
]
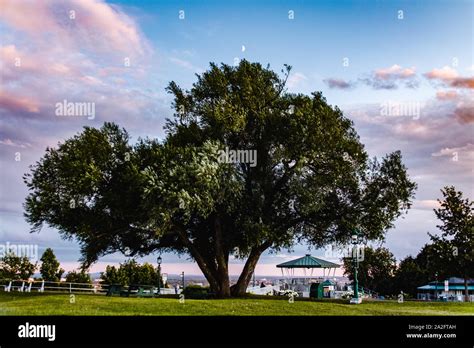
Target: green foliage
[
  {"x": 50, "y": 270},
  {"x": 131, "y": 273},
  {"x": 313, "y": 181},
  {"x": 413, "y": 272},
  {"x": 455, "y": 246},
  {"x": 195, "y": 292},
  {"x": 375, "y": 272},
  {"x": 78, "y": 277},
  {"x": 16, "y": 267},
  {"x": 448, "y": 255},
  {"x": 454, "y": 249}
]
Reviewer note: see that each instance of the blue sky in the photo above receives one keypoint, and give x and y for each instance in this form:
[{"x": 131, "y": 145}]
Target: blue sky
[{"x": 426, "y": 59}]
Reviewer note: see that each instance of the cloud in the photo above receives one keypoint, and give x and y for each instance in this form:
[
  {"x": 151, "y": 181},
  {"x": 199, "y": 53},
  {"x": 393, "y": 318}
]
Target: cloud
[
  {"x": 464, "y": 113},
  {"x": 466, "y": 150},
  {"x": 391, "y": 78},
  {"x": 464, "y": 104},
  {"x": 296, "y": 80},
  {"x": 463, "y": 82},
  {"x": 460, "y": 158},
  {"x": 437, "y": 128},
  {"x": 394, "y": 72},
  {"x": 93, "y": 24},
  {"x": 18, "y": 104},
  {"x": 450, "y": 77},
  {"x": 383, "y": 78},
  {"x": 9, "y": 142},
  {"x": 445, "y": 73},
  {"x": 339, "y": 83},
  {"x": 99, "y": 55},
  {"x": 447, "y": 95},
  {"x": 186, "y": 65},
  {"x": 426, "y": 204}
]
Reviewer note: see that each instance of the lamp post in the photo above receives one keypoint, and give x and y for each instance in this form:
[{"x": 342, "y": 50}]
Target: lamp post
[
  {"x": 356, "y": 238},
  {"x": 182, "y": 278},
  {"x": 158, "y": 260}
]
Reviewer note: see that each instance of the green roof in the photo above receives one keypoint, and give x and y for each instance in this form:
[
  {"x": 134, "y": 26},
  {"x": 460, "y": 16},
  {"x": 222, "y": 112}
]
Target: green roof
[
  {"x": 308, "y": 261},
  {"x": 441, "y": 287}
]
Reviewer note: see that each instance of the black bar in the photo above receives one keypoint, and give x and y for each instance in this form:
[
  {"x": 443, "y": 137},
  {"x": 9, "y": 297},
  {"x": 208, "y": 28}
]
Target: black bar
[{"x": 289, "y": 331}]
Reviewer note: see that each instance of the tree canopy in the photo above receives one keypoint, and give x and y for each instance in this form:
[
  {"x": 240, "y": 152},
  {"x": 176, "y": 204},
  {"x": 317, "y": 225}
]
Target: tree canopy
[
  {"x": 50, "y": 267},
  {"x": 78, "y": 277},
  {"x": 15, "y": 267},
  {"x": 130, "y": 273},
  {"x": 313, "y": 181}
]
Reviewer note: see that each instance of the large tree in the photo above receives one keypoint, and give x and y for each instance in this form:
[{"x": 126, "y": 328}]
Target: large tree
[
  {"x": 312, "y": 182},
  {"x": 455, "y": 246}
]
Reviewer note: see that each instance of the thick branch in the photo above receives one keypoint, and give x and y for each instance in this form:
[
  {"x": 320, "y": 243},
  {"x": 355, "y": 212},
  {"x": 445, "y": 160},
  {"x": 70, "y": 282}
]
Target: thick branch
[{"x": 244, "y": 279}]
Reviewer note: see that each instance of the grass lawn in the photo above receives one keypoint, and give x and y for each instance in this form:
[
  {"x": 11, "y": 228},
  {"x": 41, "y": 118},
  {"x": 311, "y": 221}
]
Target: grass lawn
[{"x": 87, "y": 304}]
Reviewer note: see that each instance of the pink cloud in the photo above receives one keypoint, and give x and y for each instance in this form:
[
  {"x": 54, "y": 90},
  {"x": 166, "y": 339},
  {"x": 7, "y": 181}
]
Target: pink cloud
[
  {"x": 64, "y": 58},
  {"x": 447, "y": 95},
  {"x": 445, "y": 73},
  {"x": 296, "y": 80},
  {"x": 450, "y": 77},
  {"x": 426, "y": 204},
  {"x": 15, "y": 103},
  {"x": 464, "y": 113},
  {"x": 9, "y": 142},
  {"x": 463, "y": 82},
  {"x": 27, "y": 17},
  {"x": 394, "y": 72},
  {"x": 95, "y": 25},
  {"x": 391, "y": 78}
]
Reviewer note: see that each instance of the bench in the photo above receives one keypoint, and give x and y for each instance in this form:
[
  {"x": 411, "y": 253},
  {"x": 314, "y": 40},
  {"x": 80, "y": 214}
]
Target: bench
[
  {"x": 115, "y": 289},
  {"x": 138, "y": 291}
]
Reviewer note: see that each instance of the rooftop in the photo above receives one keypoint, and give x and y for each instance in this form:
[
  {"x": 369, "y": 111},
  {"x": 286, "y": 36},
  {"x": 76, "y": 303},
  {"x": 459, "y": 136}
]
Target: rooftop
[{"x": 308, "y": 261}]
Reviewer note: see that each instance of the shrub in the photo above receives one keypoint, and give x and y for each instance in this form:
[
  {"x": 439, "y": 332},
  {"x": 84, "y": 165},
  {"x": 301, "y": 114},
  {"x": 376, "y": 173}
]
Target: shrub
[{"x": 196, "y": 292}]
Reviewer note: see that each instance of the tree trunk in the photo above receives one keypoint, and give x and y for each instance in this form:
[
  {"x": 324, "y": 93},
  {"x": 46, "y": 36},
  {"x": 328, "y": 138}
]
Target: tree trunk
[
  {"x": 216, "y": 270},
  {"x": 222, "y": 258},
  {"x": 203, "y": 264},
  {"x": 240, "y": 288}
]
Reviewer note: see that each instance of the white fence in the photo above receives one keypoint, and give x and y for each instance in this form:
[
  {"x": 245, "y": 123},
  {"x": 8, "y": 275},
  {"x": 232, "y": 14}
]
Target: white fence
[{"x": 48, "y": 286}]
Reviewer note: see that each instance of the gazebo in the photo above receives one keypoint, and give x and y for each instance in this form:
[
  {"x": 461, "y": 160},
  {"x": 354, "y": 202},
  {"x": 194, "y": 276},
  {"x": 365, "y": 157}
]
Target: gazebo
[
  {"x": 307, "y": 262},
  {"x": 308, "y": 285}
]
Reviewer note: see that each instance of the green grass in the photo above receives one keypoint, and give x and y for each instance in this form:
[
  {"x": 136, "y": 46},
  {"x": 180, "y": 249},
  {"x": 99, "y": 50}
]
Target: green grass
[{"x": 87, "y": 304}]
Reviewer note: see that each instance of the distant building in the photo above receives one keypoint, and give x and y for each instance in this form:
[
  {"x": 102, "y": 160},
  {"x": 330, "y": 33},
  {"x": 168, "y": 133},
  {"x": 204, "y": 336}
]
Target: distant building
[{"x": 453, "y": 290}]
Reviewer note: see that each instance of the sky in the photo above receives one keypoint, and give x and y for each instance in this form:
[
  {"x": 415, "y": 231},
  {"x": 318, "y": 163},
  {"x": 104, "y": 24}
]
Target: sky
[{"x": 401, "y": 70}]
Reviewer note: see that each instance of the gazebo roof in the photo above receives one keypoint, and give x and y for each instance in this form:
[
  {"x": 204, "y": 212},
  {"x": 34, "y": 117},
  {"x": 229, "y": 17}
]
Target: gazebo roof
[{"x": 308, "y": 261}]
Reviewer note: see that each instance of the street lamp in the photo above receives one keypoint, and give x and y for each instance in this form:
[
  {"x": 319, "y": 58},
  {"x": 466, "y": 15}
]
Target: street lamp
[
  {"x": 182, "y": 278},
  {"x": 158, "y": 260},
  {"x": 356, "y": 239}
]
